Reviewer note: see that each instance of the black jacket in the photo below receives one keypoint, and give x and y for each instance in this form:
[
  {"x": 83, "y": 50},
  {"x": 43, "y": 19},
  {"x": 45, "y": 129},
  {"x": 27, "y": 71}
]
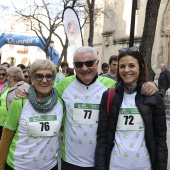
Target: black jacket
[
  {"x": 164, "y": 80},
  {"x": 153, "y": 114}
]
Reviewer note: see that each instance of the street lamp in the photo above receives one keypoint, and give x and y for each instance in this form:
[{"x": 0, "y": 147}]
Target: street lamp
[
  {"x": 51, "y": 45},
  {"x": 135, "y": 6}
]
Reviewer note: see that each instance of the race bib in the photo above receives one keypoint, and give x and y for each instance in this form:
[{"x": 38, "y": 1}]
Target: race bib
[
  {"x": 45, "y": 125},
  {"x": 130, "y": 119},
  {"x": 85, "y": 113}
]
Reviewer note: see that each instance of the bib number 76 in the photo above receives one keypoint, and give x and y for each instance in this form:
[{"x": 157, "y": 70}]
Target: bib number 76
[{"x": 45, "y": 126}]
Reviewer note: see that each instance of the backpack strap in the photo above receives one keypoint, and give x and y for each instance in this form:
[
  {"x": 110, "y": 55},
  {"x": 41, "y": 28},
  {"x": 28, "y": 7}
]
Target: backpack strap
[{"x": 111, "y": 93}]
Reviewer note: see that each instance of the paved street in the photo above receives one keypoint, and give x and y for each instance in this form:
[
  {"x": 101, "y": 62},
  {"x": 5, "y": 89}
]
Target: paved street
[{"x": 168, "y": 140}]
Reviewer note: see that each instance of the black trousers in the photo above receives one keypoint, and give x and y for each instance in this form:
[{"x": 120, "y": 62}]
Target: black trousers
[
  {"x": 1, "y": 127},
  {"x": 7, "y": 167},
  {"x": 68, "y": 166}
]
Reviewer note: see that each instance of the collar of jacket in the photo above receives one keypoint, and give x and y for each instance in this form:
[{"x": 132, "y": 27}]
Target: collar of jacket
[
  {"x": 120, "y": 87},
  {"x": 16, "y": 85},
  {"x": 94, "y": 79}
]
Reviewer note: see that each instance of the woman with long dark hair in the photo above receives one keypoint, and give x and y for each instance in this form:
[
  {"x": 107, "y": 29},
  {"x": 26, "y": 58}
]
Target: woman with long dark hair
[{"x": 132, "y": 135}]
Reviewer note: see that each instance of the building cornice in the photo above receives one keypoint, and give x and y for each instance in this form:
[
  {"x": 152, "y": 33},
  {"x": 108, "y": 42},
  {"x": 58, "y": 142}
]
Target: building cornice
[
  {"x": 125, "y": 40},
  {"x": 107, "y": 33},
  {"x": 165, "y": 33}
]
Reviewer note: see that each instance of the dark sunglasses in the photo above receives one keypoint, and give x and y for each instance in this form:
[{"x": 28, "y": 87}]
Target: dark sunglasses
[
  {"x": 40, "y": 77},
  {"x": 3, "y": 74},
  {"x": 130, "y": 48},
  {"x": 26, "y": 76},
  {"x": 79, "y": 64}
]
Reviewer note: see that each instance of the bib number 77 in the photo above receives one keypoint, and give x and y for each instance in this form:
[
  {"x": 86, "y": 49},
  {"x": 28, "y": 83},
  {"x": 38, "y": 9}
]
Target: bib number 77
[{"x": 87, "y": 114}]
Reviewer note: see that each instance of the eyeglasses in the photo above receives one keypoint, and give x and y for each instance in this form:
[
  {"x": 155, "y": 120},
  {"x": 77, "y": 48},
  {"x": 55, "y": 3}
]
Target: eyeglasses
[
  {"x": 79, "y": 64},
  {"x": 130, "y": 48},
  {"x": 40, "y": 77},
  {"x": 26, "y": 76},
  {"x": 3, "y": 74}
]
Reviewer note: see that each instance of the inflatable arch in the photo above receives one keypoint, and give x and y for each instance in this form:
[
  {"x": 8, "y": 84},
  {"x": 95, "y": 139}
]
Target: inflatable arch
[{"x": 16, "y": 39}]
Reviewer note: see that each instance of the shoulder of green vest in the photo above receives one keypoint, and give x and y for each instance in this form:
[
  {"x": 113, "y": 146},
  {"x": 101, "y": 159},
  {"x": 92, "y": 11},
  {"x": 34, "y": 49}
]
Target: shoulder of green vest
[
  {"x": 20, "y": 102},
  {"x": 63, "y": 84},
  {"x": 107, "y": 82}
]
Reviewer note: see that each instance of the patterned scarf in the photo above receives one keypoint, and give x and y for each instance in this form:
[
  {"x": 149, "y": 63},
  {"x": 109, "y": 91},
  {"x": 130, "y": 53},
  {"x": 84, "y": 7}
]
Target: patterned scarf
[{"x": 44, "y": 105}]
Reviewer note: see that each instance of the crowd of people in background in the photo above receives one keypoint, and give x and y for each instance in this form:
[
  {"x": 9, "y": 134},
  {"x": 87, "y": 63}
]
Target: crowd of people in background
[
  {"x": 164, "y": 81},
  {"x": 40, "y": 101}
]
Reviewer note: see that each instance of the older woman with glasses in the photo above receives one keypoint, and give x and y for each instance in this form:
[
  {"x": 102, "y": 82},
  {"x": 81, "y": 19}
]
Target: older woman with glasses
[
  {"x": 3, "y": 87},
  {"x": 30, "y": 134},
  {"x": 15, "y": 79}
]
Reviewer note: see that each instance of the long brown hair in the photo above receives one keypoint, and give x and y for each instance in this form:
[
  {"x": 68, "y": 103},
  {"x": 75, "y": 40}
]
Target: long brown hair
[{"x": 142, "y": 64}]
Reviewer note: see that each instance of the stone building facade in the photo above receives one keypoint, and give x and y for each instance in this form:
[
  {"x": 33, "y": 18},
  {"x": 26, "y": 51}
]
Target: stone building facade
[{"x": 112, "y": 30}]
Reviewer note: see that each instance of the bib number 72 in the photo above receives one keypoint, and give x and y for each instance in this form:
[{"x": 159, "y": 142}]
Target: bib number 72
[{"x": 129, "y": 120}]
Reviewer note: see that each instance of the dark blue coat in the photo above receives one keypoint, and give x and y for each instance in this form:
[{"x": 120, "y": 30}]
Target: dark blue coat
[{"x": 164, "y": 80}]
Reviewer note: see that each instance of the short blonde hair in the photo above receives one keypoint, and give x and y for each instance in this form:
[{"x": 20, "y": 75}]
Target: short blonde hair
[
  {"x": 16, "y": 72},
  {"x": 42, "y": 64}
]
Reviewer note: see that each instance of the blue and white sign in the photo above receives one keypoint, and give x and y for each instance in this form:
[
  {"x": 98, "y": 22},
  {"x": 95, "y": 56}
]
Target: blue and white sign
[{"x": 26, "y": 40}]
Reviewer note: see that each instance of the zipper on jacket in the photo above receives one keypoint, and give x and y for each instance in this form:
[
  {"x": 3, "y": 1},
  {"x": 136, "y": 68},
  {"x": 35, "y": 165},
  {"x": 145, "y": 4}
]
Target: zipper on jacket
[{"x": 137, "y": 105}]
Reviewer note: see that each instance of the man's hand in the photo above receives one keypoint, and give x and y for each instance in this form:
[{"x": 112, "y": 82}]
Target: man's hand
[
  {"x": 21, "y": 93},
  {"x": 149, "y": 88}
]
